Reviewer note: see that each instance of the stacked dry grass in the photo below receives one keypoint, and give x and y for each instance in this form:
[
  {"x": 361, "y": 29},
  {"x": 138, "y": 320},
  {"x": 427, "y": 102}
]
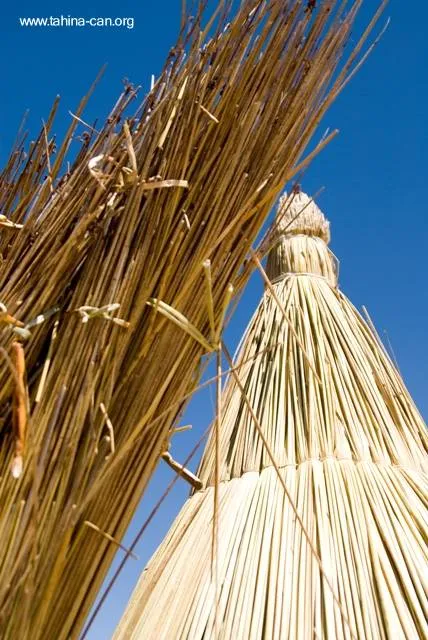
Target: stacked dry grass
[
  {"x": 190, "y": 177},
  {"x": 323, "y": 495}
]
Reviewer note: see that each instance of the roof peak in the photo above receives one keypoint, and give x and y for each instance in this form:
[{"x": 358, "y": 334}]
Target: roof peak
[
  {"x": 298, "y": 213},
  {"x": 299, "y": 240}
]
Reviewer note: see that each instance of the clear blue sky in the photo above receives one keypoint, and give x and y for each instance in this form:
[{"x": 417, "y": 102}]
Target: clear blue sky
[{"x": 375, "y": 177}]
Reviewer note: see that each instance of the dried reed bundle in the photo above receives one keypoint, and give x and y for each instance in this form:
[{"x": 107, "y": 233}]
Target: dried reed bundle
[
  {"x": 94, "y": 258},
  {"x": 323, "y": 494}
]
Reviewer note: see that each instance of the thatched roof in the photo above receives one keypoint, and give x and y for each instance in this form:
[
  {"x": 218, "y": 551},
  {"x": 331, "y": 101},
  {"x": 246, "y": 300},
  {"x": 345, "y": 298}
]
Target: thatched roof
[{"x": 322, "y": 517}]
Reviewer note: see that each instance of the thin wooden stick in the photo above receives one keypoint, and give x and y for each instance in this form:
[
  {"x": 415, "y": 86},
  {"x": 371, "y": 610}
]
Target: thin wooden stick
[
  {"x": 47, "y": 364},
  {"x": 184, "y": 473},
  {"x": 209, "y": 297},
  {"x": 20, "y": 407},
  {"x": 216, "y": 515},
  {"x": 110, "y": 538}
]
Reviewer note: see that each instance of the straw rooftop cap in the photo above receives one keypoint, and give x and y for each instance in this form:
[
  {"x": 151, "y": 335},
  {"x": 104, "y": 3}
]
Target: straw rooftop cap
[
  {"x": 299, "y": 214},
  {"x": 300, "y": 236},
  {"x": 321, "y": 475}
]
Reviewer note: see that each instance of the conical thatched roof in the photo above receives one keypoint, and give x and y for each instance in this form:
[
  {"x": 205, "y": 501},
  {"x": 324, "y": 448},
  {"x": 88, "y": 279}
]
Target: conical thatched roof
[{"x": 349, "y": 450}]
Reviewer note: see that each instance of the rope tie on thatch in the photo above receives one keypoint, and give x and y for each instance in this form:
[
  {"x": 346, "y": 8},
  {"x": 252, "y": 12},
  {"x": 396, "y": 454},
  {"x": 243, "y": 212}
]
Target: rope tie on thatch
[{"x": 293, "y": 274}]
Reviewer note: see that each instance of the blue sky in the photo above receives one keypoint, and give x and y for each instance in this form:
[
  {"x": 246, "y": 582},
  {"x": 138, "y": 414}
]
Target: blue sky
[{"x": 374, "y": 174}]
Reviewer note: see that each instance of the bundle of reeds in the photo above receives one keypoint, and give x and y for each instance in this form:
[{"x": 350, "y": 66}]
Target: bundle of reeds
[
  {"x": 96, "y": 254},
  {"x": 322, "y": 518}
]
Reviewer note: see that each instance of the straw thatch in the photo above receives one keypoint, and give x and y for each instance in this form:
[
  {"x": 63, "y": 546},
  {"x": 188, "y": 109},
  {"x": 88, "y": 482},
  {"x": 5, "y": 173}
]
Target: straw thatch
[
  {"x": 322, "y": 518},
  {"x": 97, "y": 251}
]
